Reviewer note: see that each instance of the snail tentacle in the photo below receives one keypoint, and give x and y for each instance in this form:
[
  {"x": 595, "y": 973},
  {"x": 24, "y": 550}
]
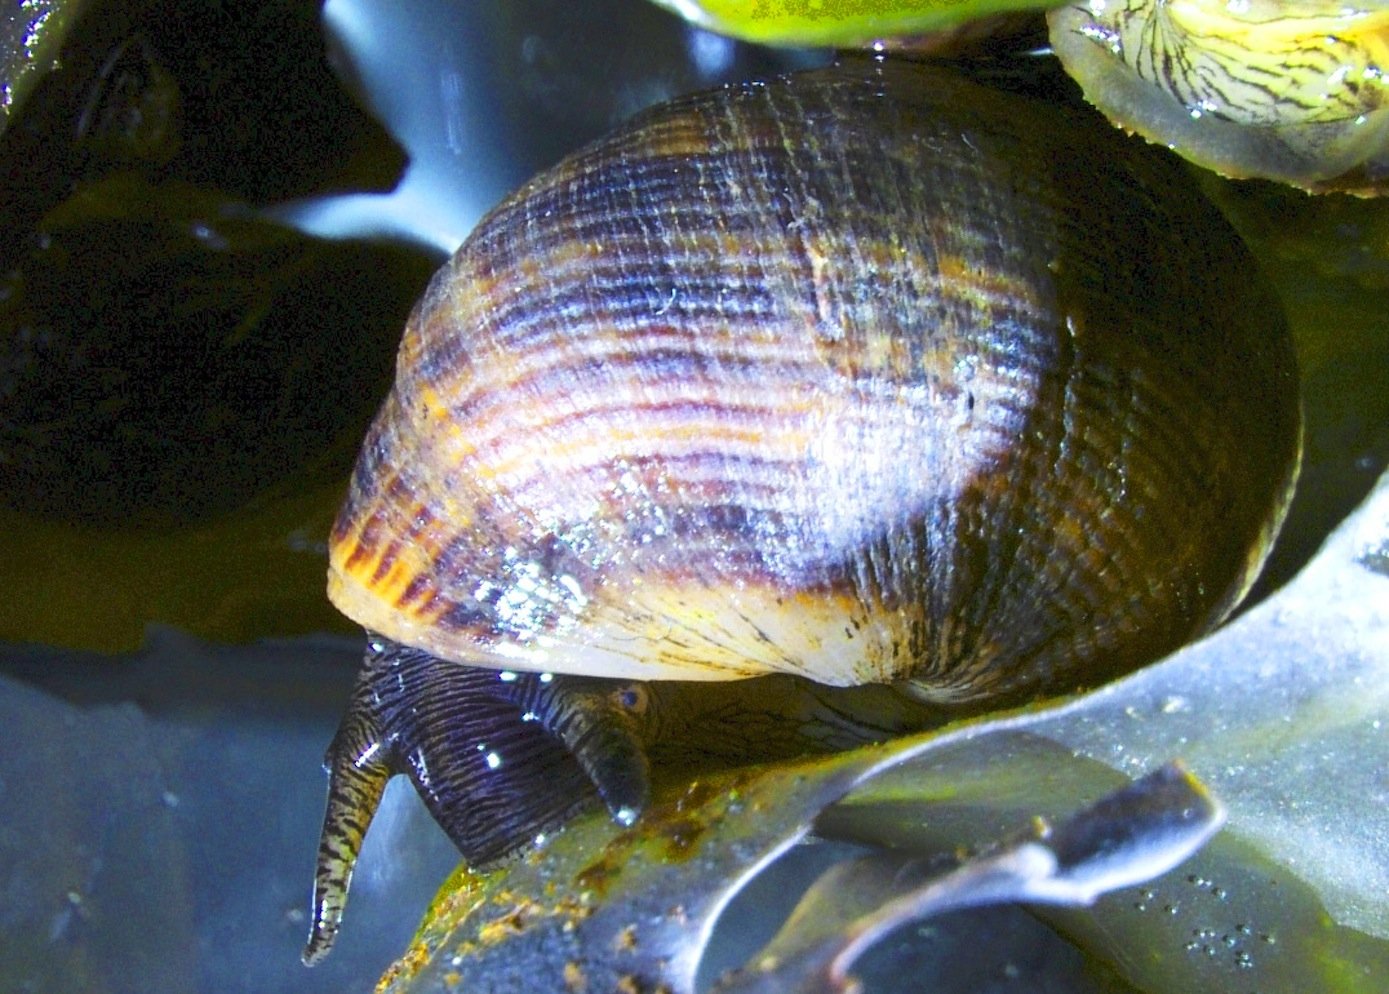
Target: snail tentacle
[
  {"x": 600, "y": 723},
  {"x": 357, "y": 770},
  {"x": 491, "y": 779}
]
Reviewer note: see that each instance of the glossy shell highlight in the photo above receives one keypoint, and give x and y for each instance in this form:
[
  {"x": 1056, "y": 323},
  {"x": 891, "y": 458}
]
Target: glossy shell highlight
[{"x": 864, "y": 375}]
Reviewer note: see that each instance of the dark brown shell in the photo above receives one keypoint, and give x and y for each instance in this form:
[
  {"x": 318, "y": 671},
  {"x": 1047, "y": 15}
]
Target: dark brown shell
[{"x": 866, "y": 374}]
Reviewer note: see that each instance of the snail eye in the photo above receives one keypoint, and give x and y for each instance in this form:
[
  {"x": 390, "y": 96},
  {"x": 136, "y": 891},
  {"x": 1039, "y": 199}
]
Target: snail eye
[{"x": 633, "y": 699}]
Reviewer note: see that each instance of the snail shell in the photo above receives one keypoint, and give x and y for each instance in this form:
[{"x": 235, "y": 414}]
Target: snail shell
[
  {"x": 869, "y": 376},
  {"x": 1291, "y": 90}
]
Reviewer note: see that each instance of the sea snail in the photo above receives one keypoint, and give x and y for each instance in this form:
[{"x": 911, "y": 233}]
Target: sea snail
[{"x": 868, "y": 376}]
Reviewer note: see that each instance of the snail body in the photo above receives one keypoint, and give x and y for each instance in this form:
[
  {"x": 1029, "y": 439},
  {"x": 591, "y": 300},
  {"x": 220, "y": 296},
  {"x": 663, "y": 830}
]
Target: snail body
[{"x": 866, "y": 376}]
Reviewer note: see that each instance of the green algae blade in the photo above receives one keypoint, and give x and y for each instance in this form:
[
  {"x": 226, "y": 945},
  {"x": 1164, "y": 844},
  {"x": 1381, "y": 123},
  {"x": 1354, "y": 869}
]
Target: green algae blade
[{"x": 837, "y": 22}]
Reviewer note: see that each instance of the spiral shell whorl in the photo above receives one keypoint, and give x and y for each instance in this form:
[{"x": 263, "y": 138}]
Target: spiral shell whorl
[{"x": 860, "y": 376}]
